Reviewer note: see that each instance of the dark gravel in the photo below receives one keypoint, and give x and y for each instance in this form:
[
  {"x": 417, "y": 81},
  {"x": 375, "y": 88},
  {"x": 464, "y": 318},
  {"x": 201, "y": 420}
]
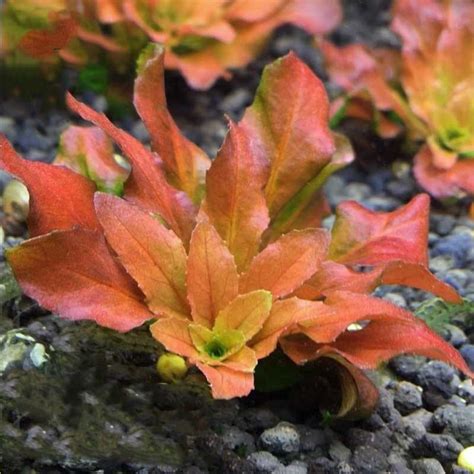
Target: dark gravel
[{"x": 93, "y": 402}]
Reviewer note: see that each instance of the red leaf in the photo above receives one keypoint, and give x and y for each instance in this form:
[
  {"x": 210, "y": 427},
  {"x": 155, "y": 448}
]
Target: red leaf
[
  {"x": 185, "y": 162},
  {"x": 364, "y": 237},
  {"x": 212, "y": 276},
  {"x": 288, "y": 126},
  {"x": 72, "y": 273},
  {"x": 43, "y": 43},
  {"x": 333, "y": 276},
  {"x": 235, "y": 202},
  {"x": 153, "y": 255},
  {"x": 146, "y": 185},
  {"x": 286, "y": 264},
  {"x": 59, "y": 198}
]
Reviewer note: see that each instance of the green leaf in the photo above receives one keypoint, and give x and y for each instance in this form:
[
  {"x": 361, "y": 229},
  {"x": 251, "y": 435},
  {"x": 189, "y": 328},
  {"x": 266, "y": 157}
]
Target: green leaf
[{"x": 437, "y": 313}]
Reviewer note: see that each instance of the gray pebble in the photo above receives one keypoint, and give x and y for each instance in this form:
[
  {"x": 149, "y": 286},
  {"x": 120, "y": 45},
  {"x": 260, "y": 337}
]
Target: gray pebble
[
  {"x": 427, "y": 466},
  {"x": 444, "y": 447},
  {"x": 457, "y": 421},
  {"x": 437, "y": 377},
  {"x": 442, "y": 263},
  {"x": 467, "y": 351},
  {"x": 466, "y": 391},
  {"x": 264, "y": 461},
  {"x": 407, "y": 397},
  {"x": 369, "y": 460},
  {"x": 234, "y": 438},
  {"x": 281, "y": 439},
  {"x": 339, "y": 452},
  {"x": 296, "y": 467},
  {"x": 396, "y": 299}
]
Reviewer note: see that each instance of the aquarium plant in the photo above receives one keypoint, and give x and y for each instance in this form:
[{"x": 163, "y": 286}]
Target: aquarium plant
[
  {"x": 426, "y": 89},
  {"x": 203, "y": 39},
  {"x": 227, "y": 259}
]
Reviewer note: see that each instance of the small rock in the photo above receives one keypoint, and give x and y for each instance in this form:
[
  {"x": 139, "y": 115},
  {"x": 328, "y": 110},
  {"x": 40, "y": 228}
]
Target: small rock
[
  {"x": 282, "y": 439},
  {"x": 443, "y": 223},
  {"x": 255, "y": 419},
  {"x": 467, "y": 351},
  {"x": 311, "y": 438},
  {"x": 407, "y": 397},
  {"x": 423, "y": 416},
  {"x": 444, "y": 447},
  {"x": 406, "y": 367},
  {"x": 236, "y": 100},
  {"x": 456, "y": 421},
  {"x": 338, "y": 452},
  {"x": 455, "y": 469},
  {"x": 381, "y": 203},
  {"x": 457, "y": 246},
  {"x": 357, "y": 191},
  {"x": 456, "y": 278},
  {"x": 466, "y": 391},
  {"x": 437, "y": 377},
  {"x": 442, "y": 263},
  {"x": 321, "y": 465},
  {"x": 357, "y": 437},
  {"x": 296, "y": 467},
  {"x": 236, "y": 439},
  {"x": 264, "y": 461},
  {"x": 454, "y": 335},
  {"x": 369, "y": 460},
  {"x": 396, "y": 299},
  {"x": 140, "y": 132},
  {"x": 427, "y": 466}
]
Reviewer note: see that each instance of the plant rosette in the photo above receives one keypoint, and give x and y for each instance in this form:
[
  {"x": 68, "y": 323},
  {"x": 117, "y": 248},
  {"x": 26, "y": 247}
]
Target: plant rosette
[
  {"x": 227, "y": 259},
  {"x": 427, "y": 89}
]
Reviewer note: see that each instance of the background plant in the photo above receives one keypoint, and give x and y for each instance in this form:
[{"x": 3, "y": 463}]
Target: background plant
[
  {"x": 427, "y": 89},
  {"x": 203, "y": 39}
]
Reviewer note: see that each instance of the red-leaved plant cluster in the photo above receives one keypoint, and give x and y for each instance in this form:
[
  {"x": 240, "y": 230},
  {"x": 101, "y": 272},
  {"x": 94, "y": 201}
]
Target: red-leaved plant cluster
[
  {"x": 427, "y": 89},
  {"x": 203, "y": 38},
  {"x": 227, "y": 258}
]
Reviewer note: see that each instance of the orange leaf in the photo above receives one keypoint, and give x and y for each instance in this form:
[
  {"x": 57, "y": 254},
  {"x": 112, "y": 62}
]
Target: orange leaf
[
  {"x": 212, "y": 276},
  {"x": 247, "y": 313},
  {"x": 153, "y": 255},
  {"x": 283, "y": 315},
  {"x": 227, "y": 383},
  {"x": 457, "y": 180},
  {"x": 185, "y": 162},
  {"x": 235, "y": 202},
  {"x": 286, "y": 264},
  {"x": 72, "y": 273},
  {"x": 288, "y": 126},
  {"x": 59, "y": 198},
  {"x": 173, "y": 333},
  {"x": 146, "y": 185}
]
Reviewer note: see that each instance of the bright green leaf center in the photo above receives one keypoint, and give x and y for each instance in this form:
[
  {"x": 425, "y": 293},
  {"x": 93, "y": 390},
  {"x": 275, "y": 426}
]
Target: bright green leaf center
[{"x": 215, "y": 349}]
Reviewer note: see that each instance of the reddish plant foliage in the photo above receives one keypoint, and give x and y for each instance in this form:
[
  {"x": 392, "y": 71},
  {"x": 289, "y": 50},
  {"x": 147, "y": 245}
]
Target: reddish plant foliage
[
  {"x": 203, "y": 39},
  {"x": 435, "y": 70},
  {"x": 229, "y": 262}
]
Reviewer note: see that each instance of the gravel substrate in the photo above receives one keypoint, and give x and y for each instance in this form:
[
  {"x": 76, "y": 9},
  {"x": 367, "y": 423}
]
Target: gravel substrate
[{"x": 83, "y": 399}]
